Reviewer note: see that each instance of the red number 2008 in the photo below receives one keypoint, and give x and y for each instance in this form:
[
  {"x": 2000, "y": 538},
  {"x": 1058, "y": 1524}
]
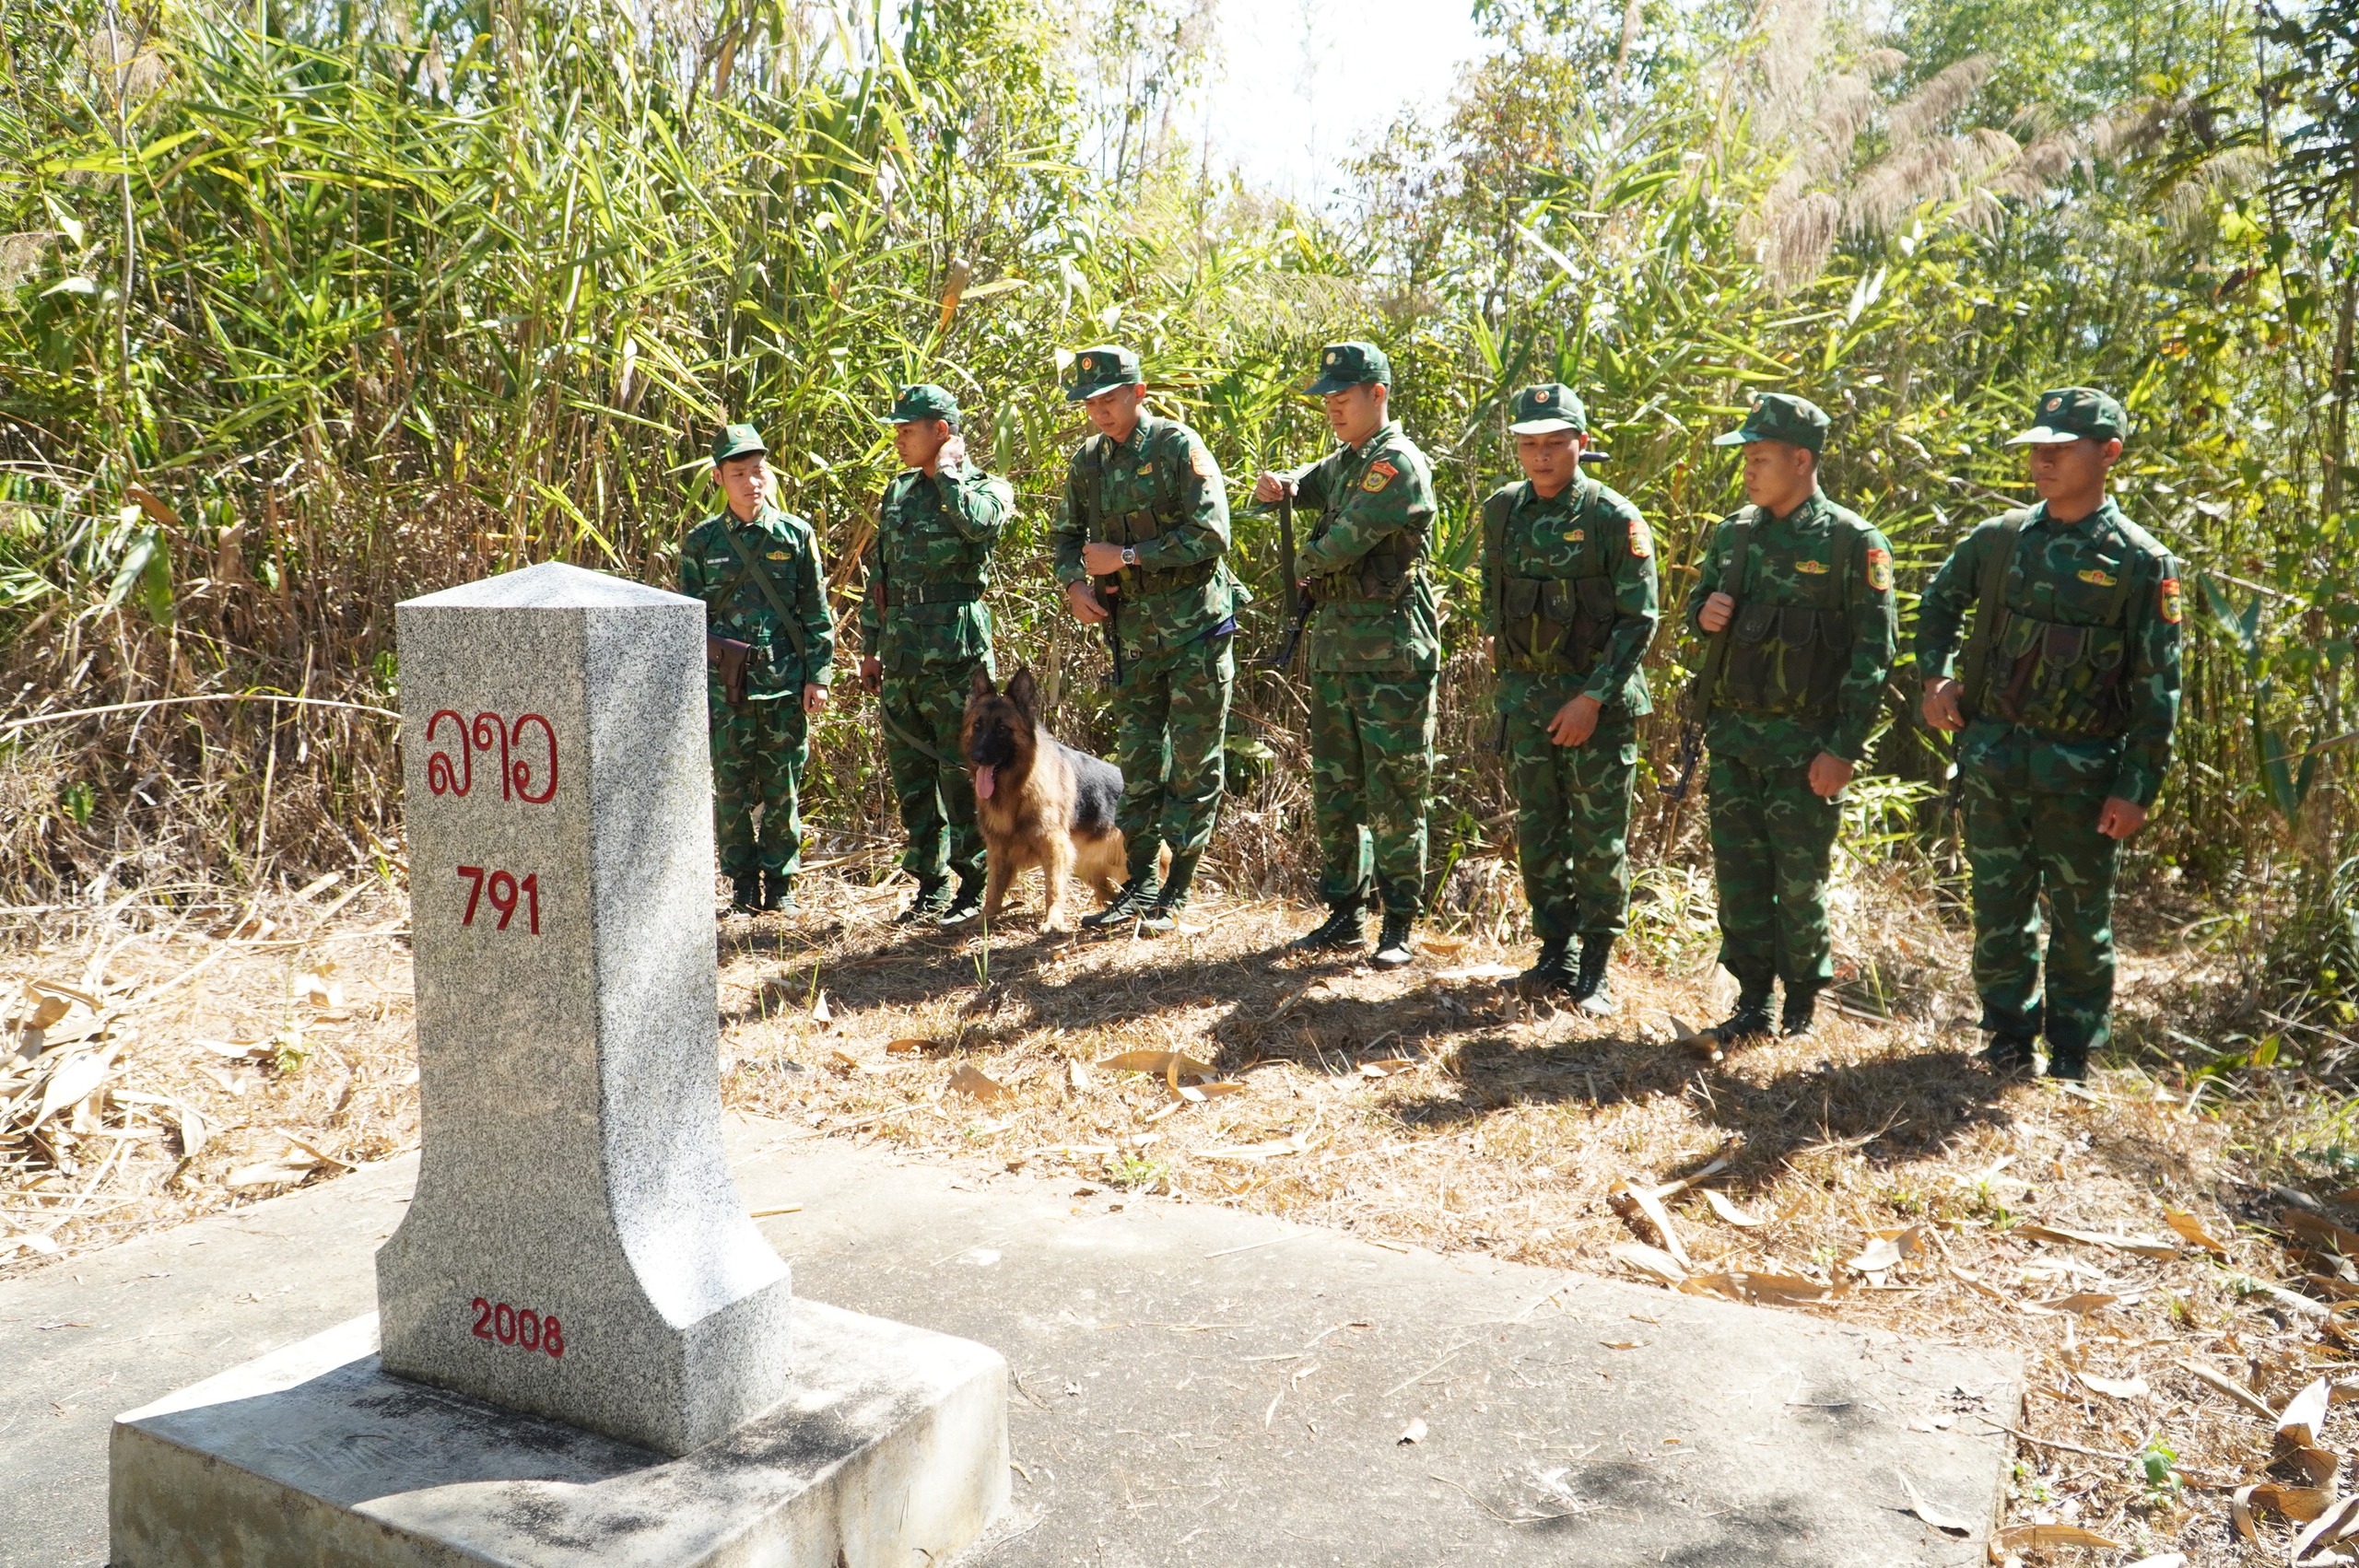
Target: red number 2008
[{"x": 519, "y": 1326}]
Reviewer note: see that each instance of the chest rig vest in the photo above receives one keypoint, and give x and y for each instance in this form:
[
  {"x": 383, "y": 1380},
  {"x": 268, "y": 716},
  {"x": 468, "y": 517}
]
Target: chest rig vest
[
  {"x": 1386, "y": 571},
  {"x": 1137, "y": 526},
  {"x": 925, "y": 562},
  {"x": 1554, "y": 618},
  {"x": 1789, "y": 645},
  {"x": 2061, "y": 678}
]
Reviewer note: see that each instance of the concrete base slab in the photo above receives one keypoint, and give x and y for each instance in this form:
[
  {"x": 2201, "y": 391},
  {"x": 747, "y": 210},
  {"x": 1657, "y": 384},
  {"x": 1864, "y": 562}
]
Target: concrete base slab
[
  {"x": 890, "y": 1448},
  {"x": 1195, "y": 1386}
]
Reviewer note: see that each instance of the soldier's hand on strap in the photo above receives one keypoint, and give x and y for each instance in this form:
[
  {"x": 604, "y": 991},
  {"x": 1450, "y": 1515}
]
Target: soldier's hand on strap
[
  {"x": 1101, "y": 559},
  {"x": 1081, "y": 600},
  {"x": 814, "y": 697},
  {"x": 1828, "y": 775},
  {"x": 1269, "y": 489},
  {"x": 1715, "y": 613},
  {"x": 1575, "y": 722},
  {"x": 871, "y": 674},
  {"x": 2120, "y": 818},
  {"x": 1940, "y": 711}
]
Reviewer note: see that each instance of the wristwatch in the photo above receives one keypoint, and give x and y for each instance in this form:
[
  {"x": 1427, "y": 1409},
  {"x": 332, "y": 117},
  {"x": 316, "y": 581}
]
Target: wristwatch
[{"x": 1130, "y": 557}]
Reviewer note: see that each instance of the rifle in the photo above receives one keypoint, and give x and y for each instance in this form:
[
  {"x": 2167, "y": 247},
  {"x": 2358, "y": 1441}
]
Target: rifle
[
  {"x": 1289, "y": 569},
  {"x": 1716, "y": 660},
  {"x": 1109, "y": 596}
]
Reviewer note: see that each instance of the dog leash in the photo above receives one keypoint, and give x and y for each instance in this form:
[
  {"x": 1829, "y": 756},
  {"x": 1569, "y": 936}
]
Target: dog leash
[{"x": 886, "y": 714}]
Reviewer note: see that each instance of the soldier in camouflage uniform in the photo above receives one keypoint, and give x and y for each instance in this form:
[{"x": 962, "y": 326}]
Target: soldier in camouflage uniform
[
  {"x": 924, "y": 630},
  {"x": 1796, "y": 594},
  {"x": 1141, "y": 548},
  {"x": 2069, "y": 696},
  {"x": 1568, "y": 607},
  {"x": 757, "y": 569},
  {"x": 1375, "y": 638}
]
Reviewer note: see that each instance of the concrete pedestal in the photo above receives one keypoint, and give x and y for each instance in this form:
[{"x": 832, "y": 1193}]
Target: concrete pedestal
[{"x": 889, "y": 1448}]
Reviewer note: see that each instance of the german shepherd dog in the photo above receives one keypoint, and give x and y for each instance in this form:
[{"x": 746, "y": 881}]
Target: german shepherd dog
[{"x": 1038, "y": 801}]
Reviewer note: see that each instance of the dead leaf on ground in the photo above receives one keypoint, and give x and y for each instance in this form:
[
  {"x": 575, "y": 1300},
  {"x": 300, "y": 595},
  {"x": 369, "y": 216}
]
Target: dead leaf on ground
[
  {"x": 821, "y": 1014},
  {"x": 1160, "y": 1063},
  {"x": 1479, "y": 972},
  {"x": 1627, "y": 1199},
  {"x": 1725, "y": 1207},
  {"x": 1652, "y": 1261},
  {"x": 1077, "y": 1075},
  {"x": 1886, "y": 1250},
  {"x": 1387, "y": 1067},
  {"x": 2115, "y": 1388},
  {"x": 1413, "y": 1432},
  {"x": 1762, "y": 1289},
  {"x": 320, "y": 988},
  {"x": 290, "y": 1166},
  {"x": 2339, "y": 1522},
  {"x": 1940, "y": 1518},
  {"x": 2080, "y": 1303},
  {"x": 2230, "y": 1386},
  {"x": 71, "y": 1082},
  {"x": 2299, "y": 1504},
  {"x": 1292, "y": 1143},
  {"x": 911, "y": 1047},
  {"x": 2191, "y": 1231},
  {"x": 2144, "y": 1246},
  {"x": 968, "y": 1079},
  {"x": 2316, "y": 1231},
  {"x": 2046, "y": 1538},
  {"x": 2162, "y": 1560}
]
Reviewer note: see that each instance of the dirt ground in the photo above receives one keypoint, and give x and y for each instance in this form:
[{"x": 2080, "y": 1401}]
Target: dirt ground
[{"x": 177, "y": 1052}]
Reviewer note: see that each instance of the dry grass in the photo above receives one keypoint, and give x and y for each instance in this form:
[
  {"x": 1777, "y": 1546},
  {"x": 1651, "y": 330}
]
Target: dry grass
[{"x": 1420, "y": 1107}]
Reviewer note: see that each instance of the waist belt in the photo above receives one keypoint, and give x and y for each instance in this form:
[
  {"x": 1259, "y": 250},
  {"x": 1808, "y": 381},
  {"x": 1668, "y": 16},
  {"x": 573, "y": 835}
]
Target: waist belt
[
  {"x": 931, "y": 593},
  {"x": 1140, "y": 582}
]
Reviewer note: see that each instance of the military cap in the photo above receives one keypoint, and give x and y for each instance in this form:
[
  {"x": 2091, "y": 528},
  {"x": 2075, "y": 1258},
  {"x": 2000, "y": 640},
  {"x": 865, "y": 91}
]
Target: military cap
[
  {"x": 2071, "y": 414},
  {"x": 1344, "y": 365},
  {"x": 1780, "y": 417},
  {"x": 1100, "y": 368},
  {"x": 923, "y": 401},
  {"x": 1550, "y": 406},
  {"x": 736, "y": 441}
]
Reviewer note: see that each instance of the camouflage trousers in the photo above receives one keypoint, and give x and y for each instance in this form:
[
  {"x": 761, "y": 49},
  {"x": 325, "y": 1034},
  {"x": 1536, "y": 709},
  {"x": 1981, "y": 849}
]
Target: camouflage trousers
[
  {"x": 1170, "y": 728},
  {"x": 936, "y": 796},
  {"x": 2021, "y": 843},
  {"x": 758, "y": 752},
  {"x": 1773, "y": 842},
  {"x": 1371, "y": 771},
  {"x": 1572, "y": 810}
]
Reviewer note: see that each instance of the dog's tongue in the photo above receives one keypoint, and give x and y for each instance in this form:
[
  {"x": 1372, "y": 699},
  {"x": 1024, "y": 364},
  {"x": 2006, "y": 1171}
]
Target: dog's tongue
[{"x": 982, "y": 782}]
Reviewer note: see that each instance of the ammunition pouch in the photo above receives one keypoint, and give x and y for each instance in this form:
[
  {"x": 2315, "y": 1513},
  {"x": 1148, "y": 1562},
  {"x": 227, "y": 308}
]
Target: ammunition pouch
[
  {"x": 1786, "y": 659},
  {"x": 1381, "y": 575},
  {"x": 1134, "y": 528},
  {"x": 1554, "y": 624},
  {"x": 728, "y": 657},
  {"x": 2061, "y": 680}
]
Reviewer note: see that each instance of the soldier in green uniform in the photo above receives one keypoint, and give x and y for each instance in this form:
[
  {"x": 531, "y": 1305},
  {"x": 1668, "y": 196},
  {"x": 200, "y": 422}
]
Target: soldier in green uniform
[
  {"x": 1141, "y": 548},
  {"x": 772, "y": 649},
  {"x": 924, "y": 630},
  {"x": 2065, "y": 708},
  {"x": 1375, "y": 636},
  {"x": 1568, "y": 609},
  {"x": 1796, "y": 595}
]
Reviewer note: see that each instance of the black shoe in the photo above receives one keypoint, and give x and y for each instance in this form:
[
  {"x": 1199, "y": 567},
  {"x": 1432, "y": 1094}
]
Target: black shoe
[
  {"x": 1392, "y": 949},
  {"x": 2010, "y": 1054},
  {"x": 1796, "y": 1017},
  {"x": 925, "y": 910},
  {"x": 1342, "y": 932},
  {"x": 1163, "y": 917},
  {"x": 1590, "y": 990},
  {"x": 2068, "y": 1062},
  {"x": 965, "y": 903},
  {"x": 1137, "y": 897},
  {"x": 1551, "y": 973},
  {"x": 778, "y": 892},
  {"x": 745, "y": 893},
  {"x": 1749, "y": 1022}
]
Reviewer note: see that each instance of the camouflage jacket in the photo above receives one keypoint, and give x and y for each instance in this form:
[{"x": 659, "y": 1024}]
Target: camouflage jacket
[
  {"x": 1159, "y": 493},
  {"x": 786, "y": 654},
  {"x": 928, "y": 567},
  {"x": 1568, "y": 588},
  {"x": 2086, "y": 662},
  {"x": 1811, "y": 642},
  {"x": 1365, "y": 559}
]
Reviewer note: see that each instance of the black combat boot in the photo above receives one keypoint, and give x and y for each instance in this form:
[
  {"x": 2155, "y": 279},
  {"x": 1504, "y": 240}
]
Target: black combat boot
[
  {"x": 778, "y": 892},
  {"x": 1137, "y": 897},
  {"x": 2010, "y": 1054},
  {"x": 1342, "y": 932},
  {"x": 1162, "y": 917},
  {"x": 1589, "y": 987},
  {"x": 745, "y": 893},
  {"x": 925, "y": 910},
  {"x": 1796, "y": 1018},
  {"x": 1551, "y": 974},
  {"x": 1749, "y": 1022},
  {"x": 1392, "y": 949},
  {"x": 966, "y": 903},
  {"x": 2068, "y": 1062}
]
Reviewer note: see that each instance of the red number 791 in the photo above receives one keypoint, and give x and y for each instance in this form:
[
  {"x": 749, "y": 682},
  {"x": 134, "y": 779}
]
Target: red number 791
[{"x": 503, "y": 889}]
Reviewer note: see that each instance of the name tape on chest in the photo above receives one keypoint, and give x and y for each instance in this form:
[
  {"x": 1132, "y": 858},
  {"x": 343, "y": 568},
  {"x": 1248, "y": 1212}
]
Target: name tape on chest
[
  {"x": 1379, "y": 474},
  {"x": 1879, "y": 569}
]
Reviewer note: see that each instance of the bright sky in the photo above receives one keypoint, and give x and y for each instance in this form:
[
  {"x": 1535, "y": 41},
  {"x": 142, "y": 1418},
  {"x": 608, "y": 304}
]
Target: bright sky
[{"x": 1303, "y": 80}]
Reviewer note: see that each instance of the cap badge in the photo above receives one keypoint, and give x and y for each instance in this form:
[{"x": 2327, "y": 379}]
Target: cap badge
[
  {"x": 2054, "y": 404},
  {"x": 1539, "y": 396},
  {"x": 1331, "y": 358},
  {"x": 1088, "y": 363}
]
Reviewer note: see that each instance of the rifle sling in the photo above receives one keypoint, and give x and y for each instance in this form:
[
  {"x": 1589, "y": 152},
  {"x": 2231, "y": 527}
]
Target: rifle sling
[
  {"x": 769, "y": 591},
  {"x": 1989, "y": 609},
  {"x": 1715, "y": 657}
]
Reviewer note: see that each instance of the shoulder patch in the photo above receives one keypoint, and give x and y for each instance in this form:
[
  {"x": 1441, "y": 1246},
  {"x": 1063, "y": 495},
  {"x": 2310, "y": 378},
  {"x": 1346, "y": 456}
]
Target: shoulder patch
[
  {"x": 1641, "y": 544},
  {"x": 1879, "y": 568},
  {"x": 1200, "y": 461},
  {"x": 1379, "y": 474},
  {"x": 2170, "y": 607}
]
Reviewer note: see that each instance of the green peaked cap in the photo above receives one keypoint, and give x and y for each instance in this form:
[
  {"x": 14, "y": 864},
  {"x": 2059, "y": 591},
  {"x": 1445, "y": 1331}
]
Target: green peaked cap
[
  {"x": 1780, "y": 417},
  {"x": 1342, "y": 365},
  {"x": 1099, "y": 368},
  {"x": 1550, "y": 406},
  {"x": 2072, "y": 414},
  {"x": 923, "y": 401},
  {"x": 736, "y": 441}
]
